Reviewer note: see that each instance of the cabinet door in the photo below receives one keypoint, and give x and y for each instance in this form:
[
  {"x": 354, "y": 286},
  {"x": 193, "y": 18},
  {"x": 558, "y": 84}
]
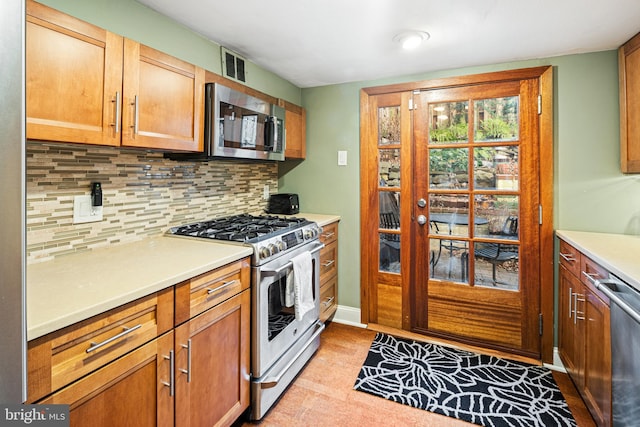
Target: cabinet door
[
  {"x": 212, "y": 365},
  {"x": 628, "y": 66},
  {"x": 597, "y": 376},
  {"x": 571, "y": 325},
  {"x": 163, "y": 100},
  {"x": 73, "y": 79},
  {"x": 295, "y": 125},
  {"x": 129, "y": 391}
]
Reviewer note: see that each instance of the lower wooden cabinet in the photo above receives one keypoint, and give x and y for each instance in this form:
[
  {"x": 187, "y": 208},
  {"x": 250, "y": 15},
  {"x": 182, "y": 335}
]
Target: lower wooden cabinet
[
  {"x": 127, "y": 392},
  {"x": 329, "y": 271},
  {"x": 212, "y": 365},
  {"x": 584, "y": 337},
  {"x": 195, "y": 374}
]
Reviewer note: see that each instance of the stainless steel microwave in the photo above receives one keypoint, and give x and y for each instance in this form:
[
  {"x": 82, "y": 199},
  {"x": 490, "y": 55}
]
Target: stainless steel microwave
[{"x": 242, "y": 126}]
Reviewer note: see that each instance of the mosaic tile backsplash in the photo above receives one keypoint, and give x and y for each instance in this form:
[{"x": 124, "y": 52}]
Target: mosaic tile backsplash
[{"x": 143, "y": 194}]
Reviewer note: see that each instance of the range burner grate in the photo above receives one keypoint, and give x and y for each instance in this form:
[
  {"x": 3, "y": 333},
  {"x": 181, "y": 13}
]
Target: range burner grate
[{"x": 238, "y": 228}]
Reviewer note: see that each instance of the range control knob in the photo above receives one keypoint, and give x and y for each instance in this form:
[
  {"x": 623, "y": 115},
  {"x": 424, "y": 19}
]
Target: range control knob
[
  {"x": 281, "y": 245},
  {"x": 264, "y": 252},
  {"x": 310, "y": 233},
  {"x": 273, "y": 248}
]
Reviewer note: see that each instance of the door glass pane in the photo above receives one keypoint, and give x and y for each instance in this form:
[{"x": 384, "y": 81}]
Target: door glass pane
[
  {"x": 496, "y": 216},
  {"x": 496, "y": 265},
  {"x": 390, "y": 252},
  {"x": 495, "y": 168},
  {"x": 449, "y": 260},
  {"x": 389, "y": 167},
  {"x": 449, "y": 168},
  {"x": 496, "y": 119},
  {"x": 389, "y": 125},
  {"x": 389, "y": 210},
  {"x": 448, "y": 122},
  {"x": 449, "y": 214}
]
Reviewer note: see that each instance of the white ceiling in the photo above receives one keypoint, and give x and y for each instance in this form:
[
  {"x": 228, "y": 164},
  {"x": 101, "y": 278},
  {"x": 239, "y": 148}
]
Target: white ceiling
[{"x": 320, "y": 42}]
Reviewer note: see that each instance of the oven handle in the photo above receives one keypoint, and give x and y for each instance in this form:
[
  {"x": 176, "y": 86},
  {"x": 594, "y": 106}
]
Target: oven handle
[
  {"x": 276, "y": 271},
  {"x": 273, "y": 381}
]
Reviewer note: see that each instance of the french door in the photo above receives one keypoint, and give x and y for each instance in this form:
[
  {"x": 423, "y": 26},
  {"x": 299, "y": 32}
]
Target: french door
[
  {"x": 452, "y": 191},
  {"x": 476, "y": 195}
]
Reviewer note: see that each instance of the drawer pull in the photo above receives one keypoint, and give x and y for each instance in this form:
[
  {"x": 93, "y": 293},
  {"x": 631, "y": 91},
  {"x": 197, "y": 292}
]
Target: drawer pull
[
  {"x": 329, "y": 301},
  {"x": 224, "y": 285},
  {"x": 328, "y": 263},
  {"x": 125, "y": 332},
  {"x": 591, "y": 276},
  {"x": 328, "y": 234},
  {"x": 567, "y": 257}
]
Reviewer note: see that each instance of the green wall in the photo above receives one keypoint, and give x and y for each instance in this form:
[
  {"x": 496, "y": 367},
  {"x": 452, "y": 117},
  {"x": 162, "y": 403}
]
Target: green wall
[
  {"x": 590, "y": 192},
  {"x": 142, "y": 24}
]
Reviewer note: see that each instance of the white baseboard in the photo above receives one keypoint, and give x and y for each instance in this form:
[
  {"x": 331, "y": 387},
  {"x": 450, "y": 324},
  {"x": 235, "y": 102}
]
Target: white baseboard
[
  {"x": 557, "y": 363},
  {"x": 351, "y": 316},
  {"x": 348, "y": 316}
]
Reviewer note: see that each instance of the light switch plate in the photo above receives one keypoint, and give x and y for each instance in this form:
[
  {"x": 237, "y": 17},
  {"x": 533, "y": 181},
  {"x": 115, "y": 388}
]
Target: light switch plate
[
  {"x": 342, "y": 158},
  {"x": 83, "y": 211}
]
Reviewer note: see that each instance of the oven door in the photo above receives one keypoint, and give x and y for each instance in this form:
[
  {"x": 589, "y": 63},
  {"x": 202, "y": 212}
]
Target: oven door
[{"x": 275, "y": 328}]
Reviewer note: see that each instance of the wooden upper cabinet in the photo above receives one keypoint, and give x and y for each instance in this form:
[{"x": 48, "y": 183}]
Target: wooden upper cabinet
[
  {"x": 87, "y": 85},
  {"x": 162, "y": 100},
  {"x": 629, "y": 71},
  {"x": 73, "y": 72},
  {"x": 295, "y": 125}
]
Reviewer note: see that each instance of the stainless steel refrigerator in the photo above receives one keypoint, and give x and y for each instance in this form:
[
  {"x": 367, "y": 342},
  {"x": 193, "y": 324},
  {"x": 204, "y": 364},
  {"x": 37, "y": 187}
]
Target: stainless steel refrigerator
[{"x": 12, "y": 204}]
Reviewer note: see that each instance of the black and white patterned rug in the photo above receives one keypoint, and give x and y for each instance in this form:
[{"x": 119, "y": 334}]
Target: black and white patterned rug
[{"x": 479, "y": 389}]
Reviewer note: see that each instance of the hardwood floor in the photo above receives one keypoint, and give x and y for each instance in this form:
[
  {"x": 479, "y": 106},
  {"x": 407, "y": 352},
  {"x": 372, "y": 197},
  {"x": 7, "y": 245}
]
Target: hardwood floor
[{"x": 323, "y": 395}]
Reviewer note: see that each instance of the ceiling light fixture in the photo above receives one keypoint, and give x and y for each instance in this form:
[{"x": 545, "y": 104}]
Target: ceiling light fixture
[{"x": 411, "y": 39}]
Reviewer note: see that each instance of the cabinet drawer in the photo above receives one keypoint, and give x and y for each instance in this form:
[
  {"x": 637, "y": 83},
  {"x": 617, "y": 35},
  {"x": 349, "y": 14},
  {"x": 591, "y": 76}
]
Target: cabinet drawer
[
  {"x": 328, "y": 298},
  {"x": 591, "y": 271},
  {"x": 569, "y": 257},
  {"x": 200, "y": 293},
  {"x": 61, "y": 357},
  {"x": 328, "y": 261},
  {"x": 329, "y": 233}
]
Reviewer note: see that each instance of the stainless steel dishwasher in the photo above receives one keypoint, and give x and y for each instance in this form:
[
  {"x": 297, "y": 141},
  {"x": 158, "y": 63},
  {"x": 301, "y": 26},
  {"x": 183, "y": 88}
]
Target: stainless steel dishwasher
[{"x": 625, "y": 350}]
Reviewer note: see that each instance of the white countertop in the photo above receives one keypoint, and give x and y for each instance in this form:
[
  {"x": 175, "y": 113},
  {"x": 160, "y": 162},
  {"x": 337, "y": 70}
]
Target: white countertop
[
  {"x": 75, "y": 287},
  {"x": 618, "y": 253},
  {"x": 320, "y": 219}
]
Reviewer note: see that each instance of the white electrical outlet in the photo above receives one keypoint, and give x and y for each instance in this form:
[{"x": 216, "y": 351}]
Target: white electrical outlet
[
  {"x": 265, "y": 192},
  {"x": 83, "y": 211}
]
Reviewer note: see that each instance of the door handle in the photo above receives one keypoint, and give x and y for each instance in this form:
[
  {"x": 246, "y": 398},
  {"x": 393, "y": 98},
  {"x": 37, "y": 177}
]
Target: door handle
[
  {"x": 422, "y": 220},
  {"x": 421, "y": 203}
]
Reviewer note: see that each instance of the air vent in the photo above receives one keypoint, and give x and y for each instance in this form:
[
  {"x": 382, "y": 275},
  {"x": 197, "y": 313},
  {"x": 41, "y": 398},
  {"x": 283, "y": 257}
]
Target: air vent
[{"x": 233, "y": 65}]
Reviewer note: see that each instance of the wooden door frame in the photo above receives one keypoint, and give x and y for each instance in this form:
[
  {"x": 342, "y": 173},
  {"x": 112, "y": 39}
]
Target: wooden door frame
[{"x": 367, "y": 136}]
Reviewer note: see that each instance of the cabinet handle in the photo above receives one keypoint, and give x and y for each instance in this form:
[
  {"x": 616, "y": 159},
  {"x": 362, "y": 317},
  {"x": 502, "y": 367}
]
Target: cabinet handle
[
  {"x": 567, "y": 257},
  {"x": 171, "y": 383},
  {"x": 328, "y": 263},
  {"x": 570, "y": 299},
  {"x": 328, "y": 234},
  {"x": 224, "y": 285},
  {"x": 135, "y": 115},
  {"x": 329, "y": 301},
  {"x": 592, "y": 277},
  {"x": 188, "y": 370},
  {"x": 575, "y": 304},
  {"x": 94, "y": 346},
  {"x": 116, "y": 123}
]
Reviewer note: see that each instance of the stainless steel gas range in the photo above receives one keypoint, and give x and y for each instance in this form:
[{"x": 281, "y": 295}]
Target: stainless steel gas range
[{"x": 284, "y": 336}]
